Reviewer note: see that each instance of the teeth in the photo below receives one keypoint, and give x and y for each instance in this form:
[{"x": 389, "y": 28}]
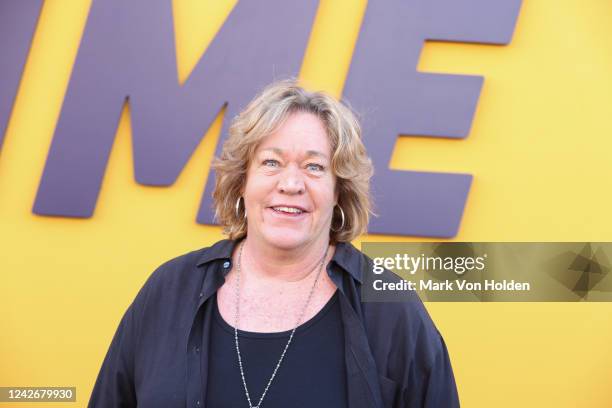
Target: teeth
[{"x": 288, "y": 210}]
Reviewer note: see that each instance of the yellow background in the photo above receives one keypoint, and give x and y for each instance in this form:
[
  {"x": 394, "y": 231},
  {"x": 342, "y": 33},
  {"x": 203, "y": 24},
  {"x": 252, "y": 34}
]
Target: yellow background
[{"x": 539, "y": 151}]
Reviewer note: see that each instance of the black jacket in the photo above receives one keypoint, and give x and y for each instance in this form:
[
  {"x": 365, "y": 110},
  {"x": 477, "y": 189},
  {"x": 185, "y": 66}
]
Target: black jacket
[{"x": 395, "y": 356}]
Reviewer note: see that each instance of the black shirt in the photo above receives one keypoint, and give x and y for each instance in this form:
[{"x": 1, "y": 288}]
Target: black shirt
[
  {"x": 311, "y": 374},
  {"x": 394, "y": 355}
]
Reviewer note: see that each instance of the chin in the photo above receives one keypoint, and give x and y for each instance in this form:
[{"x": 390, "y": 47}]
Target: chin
[{"x": 284, "y": 239}]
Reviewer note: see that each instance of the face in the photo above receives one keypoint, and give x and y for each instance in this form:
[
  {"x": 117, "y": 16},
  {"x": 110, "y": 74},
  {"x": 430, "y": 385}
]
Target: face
[{"x": 290, "y": 190}]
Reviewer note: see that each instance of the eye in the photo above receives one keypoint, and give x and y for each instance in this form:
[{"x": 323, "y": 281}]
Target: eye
[
  {"x": 315, "y": 167},
  {"x": 270, "y": 163}
]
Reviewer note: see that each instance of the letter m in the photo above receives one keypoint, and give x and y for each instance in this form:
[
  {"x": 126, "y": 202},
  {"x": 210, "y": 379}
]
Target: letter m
[{"x": 127, "y": 52}]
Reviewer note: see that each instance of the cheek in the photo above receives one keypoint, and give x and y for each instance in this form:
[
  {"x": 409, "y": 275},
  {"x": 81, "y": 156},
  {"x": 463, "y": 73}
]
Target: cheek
[
  {"x": 325, "y": 198},
  {"x": 257, "y": 190}
]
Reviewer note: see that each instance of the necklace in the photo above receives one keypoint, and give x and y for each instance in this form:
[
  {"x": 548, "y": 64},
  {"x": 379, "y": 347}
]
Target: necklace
[{"x": 280, "y": 360}]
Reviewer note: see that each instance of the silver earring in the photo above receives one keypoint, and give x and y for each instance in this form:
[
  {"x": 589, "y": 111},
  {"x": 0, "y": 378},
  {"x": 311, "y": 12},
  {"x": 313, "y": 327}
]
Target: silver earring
[
  {"x": 237, "y": 208},
  {"x": 341, "y": 225}
]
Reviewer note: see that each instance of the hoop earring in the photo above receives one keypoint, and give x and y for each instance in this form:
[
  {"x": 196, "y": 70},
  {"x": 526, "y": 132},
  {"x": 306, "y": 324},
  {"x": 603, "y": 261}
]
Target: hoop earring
[
  {"x": 237, "y": 209},
  {"x": 341, "y": 225}
]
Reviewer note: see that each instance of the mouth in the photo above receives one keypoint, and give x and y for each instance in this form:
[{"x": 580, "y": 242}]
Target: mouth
[{"x": 291, "y": 211}]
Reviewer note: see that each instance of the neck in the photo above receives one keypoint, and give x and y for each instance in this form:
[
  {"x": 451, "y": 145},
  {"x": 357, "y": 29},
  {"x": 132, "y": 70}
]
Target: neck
[{"x": 289, "y": 265}]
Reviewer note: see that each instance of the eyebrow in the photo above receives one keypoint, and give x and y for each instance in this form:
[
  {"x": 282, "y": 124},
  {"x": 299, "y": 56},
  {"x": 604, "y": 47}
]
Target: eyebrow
[{"x": 309, "y": 153}]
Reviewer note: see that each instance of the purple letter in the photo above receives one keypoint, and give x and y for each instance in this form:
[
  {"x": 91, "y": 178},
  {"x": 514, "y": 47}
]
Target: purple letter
[
  {"x": 17, "y": 22},
  {"x": 395, "y": 99}
]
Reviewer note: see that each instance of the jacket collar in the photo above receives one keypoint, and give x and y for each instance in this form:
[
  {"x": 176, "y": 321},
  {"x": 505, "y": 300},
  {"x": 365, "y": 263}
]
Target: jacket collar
[{"x": 346, "y": 256}]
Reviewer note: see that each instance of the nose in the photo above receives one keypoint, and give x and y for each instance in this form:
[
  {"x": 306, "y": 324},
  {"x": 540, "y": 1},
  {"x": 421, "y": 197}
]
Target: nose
[{"x": 291, "y": 181}]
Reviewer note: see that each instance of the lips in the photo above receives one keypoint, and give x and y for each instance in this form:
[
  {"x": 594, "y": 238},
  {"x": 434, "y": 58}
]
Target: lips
[{"x": 288, "y": 209}]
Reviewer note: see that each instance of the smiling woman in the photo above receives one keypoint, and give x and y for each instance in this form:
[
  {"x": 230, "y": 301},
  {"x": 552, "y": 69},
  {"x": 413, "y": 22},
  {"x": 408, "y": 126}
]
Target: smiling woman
[
  {"x": 273, "y": 316},
  {"x": 290, "y": 191}
]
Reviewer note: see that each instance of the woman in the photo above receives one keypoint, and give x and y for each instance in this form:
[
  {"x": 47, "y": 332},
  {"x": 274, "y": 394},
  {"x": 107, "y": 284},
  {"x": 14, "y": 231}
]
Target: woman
[{"x": 272, "y": 316}]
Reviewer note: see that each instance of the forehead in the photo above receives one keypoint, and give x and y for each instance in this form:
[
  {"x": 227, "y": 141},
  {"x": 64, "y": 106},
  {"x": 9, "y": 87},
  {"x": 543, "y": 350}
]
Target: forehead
[{"x": 301, "y": 132}]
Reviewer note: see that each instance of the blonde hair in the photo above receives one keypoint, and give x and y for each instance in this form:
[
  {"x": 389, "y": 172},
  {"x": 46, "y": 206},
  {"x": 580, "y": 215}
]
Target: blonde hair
[{"x": 265, "y": 113}]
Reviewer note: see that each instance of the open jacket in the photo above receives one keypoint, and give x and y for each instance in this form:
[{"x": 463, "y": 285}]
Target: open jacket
[{"x": 395, "y": 356}]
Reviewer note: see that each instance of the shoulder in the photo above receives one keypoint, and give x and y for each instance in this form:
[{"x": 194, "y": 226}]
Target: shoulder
[
  {"x": 188, "y": 267},
  {"x": 397, "y": 324},
  {"x": 176, "y": 283},
  {"x": 182, "y": 268}
]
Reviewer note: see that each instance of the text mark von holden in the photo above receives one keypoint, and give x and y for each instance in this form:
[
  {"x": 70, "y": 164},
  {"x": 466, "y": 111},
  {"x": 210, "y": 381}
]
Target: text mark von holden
[{"x": 452, "y": 285}]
